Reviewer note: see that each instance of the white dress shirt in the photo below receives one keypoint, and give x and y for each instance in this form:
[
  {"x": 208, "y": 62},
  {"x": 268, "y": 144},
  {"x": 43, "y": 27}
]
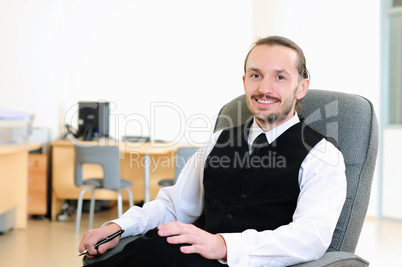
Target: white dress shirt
[{"x": 322, "y": 184}]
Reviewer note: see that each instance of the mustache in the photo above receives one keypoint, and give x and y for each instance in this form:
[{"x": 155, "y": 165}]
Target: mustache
[{"x": 268, "y": 97}]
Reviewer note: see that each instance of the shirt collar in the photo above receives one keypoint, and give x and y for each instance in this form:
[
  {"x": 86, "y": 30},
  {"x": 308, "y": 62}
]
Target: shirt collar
[{"x": 271, "y": 135}]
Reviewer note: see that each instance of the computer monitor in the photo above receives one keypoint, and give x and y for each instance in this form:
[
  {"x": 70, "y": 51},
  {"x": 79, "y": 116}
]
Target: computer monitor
[{"x": 93, "y": 120}]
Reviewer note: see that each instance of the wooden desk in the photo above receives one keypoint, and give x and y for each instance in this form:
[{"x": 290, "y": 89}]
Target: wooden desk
[
  {"x": 14, "y": 179},
  {"x": 157, "y": 158}
]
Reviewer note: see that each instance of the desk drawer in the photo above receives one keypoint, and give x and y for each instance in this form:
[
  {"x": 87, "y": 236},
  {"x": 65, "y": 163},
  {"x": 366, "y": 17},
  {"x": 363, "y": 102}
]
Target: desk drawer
[
  {"x": 37, "y": 182},
  {"x": 37, "y": 203},
  {"x": 37, "y": 162}
]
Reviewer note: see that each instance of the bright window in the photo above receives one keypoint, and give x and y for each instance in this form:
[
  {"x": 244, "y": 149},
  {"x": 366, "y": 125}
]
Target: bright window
[{"x": 394, "y": 78}]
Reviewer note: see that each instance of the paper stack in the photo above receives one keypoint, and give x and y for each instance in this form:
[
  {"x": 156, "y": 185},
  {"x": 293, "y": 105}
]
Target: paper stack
[{"x": 15, "y": 125}]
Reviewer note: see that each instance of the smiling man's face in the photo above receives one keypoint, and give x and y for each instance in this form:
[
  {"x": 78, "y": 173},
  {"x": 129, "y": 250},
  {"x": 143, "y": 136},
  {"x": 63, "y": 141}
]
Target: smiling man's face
[{"x": 272, "y": 84}]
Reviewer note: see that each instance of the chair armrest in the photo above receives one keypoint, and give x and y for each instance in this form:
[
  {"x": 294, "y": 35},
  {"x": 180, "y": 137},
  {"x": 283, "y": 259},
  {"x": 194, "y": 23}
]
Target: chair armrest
[
  {"x": 122, "y": 243},
  {"x": 336, "y": 259}
]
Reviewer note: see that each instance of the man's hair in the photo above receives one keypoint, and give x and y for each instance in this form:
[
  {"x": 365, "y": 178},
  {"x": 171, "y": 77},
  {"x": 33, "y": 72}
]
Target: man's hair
[{"x": 282, "y": 41}]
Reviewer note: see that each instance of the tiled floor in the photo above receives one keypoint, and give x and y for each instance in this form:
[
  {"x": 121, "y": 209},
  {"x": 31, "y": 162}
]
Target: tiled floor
[{"x": 46, "y": 243}]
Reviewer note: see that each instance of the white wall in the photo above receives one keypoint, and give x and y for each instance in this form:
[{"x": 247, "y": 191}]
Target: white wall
[
  {"x": 187, "y": 54},
  {"x": 30, "y": 53},
  {"x": 340, "y": 40},
  {"x": 135, "y": 54}
]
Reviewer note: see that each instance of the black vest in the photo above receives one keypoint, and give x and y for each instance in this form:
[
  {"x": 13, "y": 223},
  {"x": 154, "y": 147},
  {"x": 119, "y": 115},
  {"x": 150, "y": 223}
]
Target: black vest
[{"x": 254, "y": 193}]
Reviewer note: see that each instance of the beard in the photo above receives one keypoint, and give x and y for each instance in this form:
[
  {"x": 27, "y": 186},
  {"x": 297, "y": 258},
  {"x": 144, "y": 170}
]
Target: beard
[{"x": 275, "y": 117}]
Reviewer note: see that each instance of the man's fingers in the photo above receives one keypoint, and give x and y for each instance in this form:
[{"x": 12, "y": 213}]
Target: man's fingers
[
  {"x": 180, "y": 233},
  {"x": 92, "y": 237},
  {"x": 168, "y": 229},
  {"x": 194, "y": 240},
  {"x": 182, "y": 239},
  {"x": 92, "y": 251},
  {"x": 174, "y": 228},
  {"x": 103, "y": 248},
  {"x": 90, "y": 246},
  {"x": 86, "y": 236},
  {"x": 88, "y": 242},
  {"x": 108, "y": 245},
  {"x": 189, "y": 249}
]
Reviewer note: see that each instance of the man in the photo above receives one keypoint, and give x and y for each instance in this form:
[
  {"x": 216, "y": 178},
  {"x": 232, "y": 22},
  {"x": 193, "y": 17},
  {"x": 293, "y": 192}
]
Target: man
[{"x": 275, "y": 203}]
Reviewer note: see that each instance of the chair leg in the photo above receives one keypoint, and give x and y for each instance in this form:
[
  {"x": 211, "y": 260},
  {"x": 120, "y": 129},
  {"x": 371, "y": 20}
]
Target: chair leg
[
  {"x": 130, "y": 197},
  {"x": 79, "y": 208},
  {"x": 91, "y": 210},
  {"x": 119, "y": 204}
]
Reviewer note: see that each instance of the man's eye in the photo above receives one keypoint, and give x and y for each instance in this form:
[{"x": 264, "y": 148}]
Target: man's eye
[
  {"x": 256, "y": 76},
  {"x": 280, "y": 77}
]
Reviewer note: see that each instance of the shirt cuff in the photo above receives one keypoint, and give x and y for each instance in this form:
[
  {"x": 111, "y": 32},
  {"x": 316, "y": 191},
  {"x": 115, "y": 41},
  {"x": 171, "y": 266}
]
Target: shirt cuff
[{"x": 236, "y": 247}]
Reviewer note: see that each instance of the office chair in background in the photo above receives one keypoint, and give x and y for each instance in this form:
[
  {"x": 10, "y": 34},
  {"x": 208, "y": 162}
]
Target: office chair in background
[
  {"x": 182, "y": 156},
  {"x": 108, "y": 158}
]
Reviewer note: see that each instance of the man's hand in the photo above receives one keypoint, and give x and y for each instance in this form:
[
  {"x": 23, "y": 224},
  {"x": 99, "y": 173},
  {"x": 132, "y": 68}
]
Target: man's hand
[
  {"x": 91, "y": 237},
  {"x": 207, "y": 245}
]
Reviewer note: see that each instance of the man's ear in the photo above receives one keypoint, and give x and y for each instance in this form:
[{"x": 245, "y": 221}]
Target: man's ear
[
  {"x": 303, "y": 88},
  {"x": 244, "y": 82}
]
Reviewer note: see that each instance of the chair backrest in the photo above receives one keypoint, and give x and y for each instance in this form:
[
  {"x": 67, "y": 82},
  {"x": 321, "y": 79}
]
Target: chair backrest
[
  {"x": 351, "y": 120},
  {"x": 106, "y": 156},
  {"x": 182, "y": 156}
]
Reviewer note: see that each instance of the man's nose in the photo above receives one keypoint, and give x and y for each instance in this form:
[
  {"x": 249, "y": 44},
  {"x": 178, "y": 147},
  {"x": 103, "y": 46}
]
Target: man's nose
[{"x": 266, "y": 87}]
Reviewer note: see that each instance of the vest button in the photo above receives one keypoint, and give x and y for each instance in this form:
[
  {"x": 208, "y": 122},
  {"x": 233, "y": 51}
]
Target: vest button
[
  {"x": 229, "y": 216},
  {"x": 244, "y": 195}
]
